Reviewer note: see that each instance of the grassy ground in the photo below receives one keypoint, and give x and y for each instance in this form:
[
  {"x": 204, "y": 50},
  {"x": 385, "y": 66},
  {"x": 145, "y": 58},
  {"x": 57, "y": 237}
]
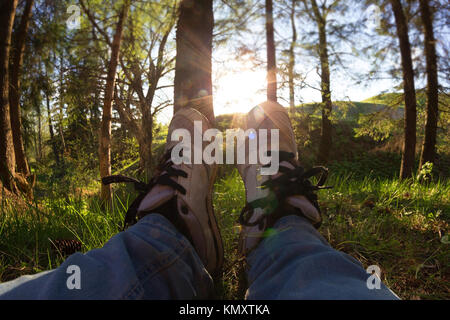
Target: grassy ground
[{"x": 401, "y": 227}]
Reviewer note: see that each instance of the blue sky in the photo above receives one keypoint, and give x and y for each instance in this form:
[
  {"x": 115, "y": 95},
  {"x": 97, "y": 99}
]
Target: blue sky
[{"x": 239, "y": 81}]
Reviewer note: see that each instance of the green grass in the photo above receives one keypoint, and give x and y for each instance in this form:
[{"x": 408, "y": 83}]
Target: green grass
[{"x": 399, "y": 226}]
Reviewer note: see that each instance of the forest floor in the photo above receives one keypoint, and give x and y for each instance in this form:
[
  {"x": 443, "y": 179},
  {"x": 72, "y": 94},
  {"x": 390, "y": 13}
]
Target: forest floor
[{"x": 400, "y": 226}]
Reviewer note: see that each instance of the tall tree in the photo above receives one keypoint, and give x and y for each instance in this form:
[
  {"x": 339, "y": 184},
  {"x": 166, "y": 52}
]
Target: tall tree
[
  {"x": 105, "y": 130},
  {"x": 7, "y": 158},
  {"x": 61, "y": 103},
  {"x": 105, "y": 127},
  {"x": 14, "y": 94},
  {"x": 193, "y": 84},
  {"x": 143, "y": 75},
  {"x": 319, "y": 16},
  {"x": 48, "y": 91},
  {"x": 291, "y": 65},
  {"x": 271, "y": 55},
  {"x": 409, "y": 142},
  {"x": 429, "y": 143}
]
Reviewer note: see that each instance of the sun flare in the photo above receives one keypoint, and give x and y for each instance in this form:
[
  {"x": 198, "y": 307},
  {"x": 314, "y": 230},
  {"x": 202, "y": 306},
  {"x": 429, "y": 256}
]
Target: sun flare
[{"x": 238, "y": 89}]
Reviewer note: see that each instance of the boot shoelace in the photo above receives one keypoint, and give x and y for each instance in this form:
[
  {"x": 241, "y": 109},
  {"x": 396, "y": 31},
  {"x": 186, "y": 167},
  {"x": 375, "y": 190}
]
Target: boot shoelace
[
  {"x": 290, "y": 183},
  {"x": 164, "y": 172}
]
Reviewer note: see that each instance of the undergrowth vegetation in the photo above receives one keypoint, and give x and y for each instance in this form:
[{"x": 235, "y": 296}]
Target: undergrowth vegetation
[{"x": 400, "y": 226}]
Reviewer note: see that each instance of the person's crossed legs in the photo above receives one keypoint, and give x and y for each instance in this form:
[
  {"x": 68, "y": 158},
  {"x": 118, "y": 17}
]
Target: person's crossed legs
[{"x": 175, "y": 246}]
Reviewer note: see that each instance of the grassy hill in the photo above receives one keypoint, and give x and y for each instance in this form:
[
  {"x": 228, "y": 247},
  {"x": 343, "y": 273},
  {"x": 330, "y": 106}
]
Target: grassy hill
[
  {"x": 390, "y": 103},
  {"x": 352, "y": 110}
]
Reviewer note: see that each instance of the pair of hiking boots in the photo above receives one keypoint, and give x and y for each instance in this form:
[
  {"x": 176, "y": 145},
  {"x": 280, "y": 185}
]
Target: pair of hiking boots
[{"x": 183, "y": 192}]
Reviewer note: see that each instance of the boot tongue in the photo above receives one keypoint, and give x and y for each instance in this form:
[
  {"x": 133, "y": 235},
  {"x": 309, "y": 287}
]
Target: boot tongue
[{"x": 156, "y": 197}]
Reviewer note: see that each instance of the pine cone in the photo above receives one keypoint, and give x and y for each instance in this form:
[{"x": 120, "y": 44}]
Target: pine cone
[{"x": 66, "y": 246}]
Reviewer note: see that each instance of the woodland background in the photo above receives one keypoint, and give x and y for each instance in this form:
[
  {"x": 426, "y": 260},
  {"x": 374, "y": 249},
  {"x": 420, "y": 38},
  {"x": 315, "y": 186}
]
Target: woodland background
[{"x": 88, "y": 87}]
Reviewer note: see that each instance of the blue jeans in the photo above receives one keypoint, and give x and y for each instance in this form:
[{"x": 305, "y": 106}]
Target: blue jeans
[{"x": 152, "y": 260}]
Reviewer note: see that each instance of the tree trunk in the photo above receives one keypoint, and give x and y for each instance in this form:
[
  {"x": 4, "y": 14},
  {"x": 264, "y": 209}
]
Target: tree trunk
[
  {"x": 52, "y": 133},
  {"x": 193, "y": 84},
  {"x": 14, "y": 93},
  {"x": 292, "y": 61},
  {"x": 145, "y": 156},
  {"x": 7, "y": 157},
  {"x": 39, "y": 154},
  {"x": 409, "y": 143},
  {"x": 35, "y": 142},
  {"x": 271, "y": 56},
  {"x": 326, "y": 139},
  {"x": 61, "y": 105},
  {"x": 429, "y": 143},
  {"x": 105, "y": 127},
  {"x": 145, "y": 146}
]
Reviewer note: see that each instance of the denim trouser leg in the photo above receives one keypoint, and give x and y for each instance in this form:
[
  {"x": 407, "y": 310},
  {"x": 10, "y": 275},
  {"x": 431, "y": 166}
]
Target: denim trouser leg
[
  {"x": 296, "y": 262},
  {"x": 151, "y": 260}
]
